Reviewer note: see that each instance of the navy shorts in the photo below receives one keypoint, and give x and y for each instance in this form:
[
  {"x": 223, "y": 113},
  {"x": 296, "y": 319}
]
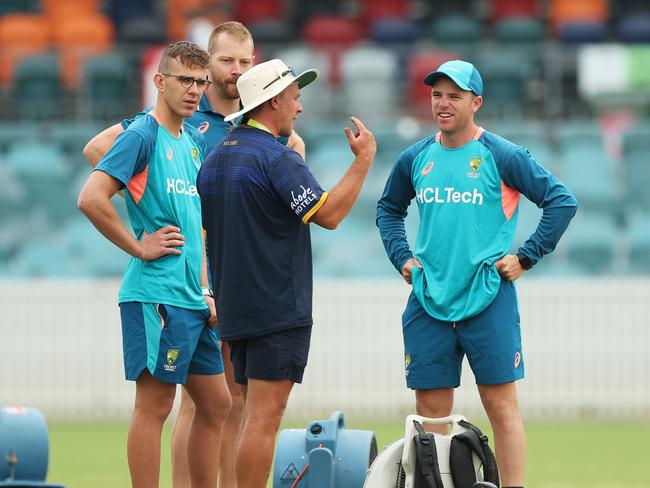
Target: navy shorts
[
  {"x": 272, "y": 357},
  {"x": 170, "y": 342},
  {"x": 491, "y": 340}
]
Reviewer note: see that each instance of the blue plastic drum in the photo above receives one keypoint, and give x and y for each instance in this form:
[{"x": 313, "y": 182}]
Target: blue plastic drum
[{"x": 23, "y": 444}]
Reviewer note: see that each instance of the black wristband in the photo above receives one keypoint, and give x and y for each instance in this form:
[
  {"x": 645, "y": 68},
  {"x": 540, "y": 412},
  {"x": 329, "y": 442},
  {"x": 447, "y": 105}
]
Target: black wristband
[{"x": 525, "y": 261}]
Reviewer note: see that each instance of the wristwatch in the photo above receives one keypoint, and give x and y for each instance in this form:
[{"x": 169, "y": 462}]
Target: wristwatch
[
  {"x": 207, "y": 291},
  {"x": 525, "y": 261}
]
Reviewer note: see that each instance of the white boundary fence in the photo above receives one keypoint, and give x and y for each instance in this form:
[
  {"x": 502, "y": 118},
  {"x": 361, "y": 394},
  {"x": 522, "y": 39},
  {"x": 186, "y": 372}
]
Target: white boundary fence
[{"x": 586, "y": 350}]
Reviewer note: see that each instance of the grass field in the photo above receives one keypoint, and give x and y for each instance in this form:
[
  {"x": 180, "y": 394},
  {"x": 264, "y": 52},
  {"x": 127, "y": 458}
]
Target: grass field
[{"x": 560, "y": 455}]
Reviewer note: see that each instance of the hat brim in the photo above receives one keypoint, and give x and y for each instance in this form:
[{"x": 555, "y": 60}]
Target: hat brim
[
  {"x": 432, "y": 77},
  {"x": 303, "y": 79}
]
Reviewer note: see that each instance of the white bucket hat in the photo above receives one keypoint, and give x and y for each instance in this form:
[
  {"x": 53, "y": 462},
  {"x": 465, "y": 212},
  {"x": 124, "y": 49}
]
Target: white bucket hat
[{"x": 264, "y": 81}]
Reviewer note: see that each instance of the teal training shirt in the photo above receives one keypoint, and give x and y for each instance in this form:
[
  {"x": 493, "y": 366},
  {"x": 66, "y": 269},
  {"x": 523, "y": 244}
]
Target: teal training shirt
[
  {"x": 159, "y": 172},
  {"x": 467, "y": 199}
]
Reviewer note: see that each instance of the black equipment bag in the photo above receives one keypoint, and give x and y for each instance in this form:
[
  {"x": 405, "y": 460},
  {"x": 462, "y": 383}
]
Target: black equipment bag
[
  {"x": 427, "y": 471},
  {"x": 460, "y": 457}
]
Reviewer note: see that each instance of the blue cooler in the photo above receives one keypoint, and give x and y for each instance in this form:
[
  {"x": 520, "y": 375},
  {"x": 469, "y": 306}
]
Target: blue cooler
[{"x": 24, "y": 448}]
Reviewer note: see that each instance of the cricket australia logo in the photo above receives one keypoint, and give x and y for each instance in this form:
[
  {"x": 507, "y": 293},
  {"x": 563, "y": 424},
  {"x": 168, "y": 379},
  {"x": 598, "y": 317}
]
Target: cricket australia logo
[
  {"x": 195, "y": 157},
  {"x": 172, "y": 356},
  {"x": 474, "y": 165},
  {"x": 407, "y": 363}
]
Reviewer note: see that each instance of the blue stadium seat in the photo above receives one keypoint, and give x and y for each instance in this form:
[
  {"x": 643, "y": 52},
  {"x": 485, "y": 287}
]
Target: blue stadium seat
[
  {"x": 638, "y": 243},
  {"x": 41, "y": 171},
  {"x": 37, "y": 90},
  {"x": 634, "y": 28},
  {"x": 106, "y": 89},
  {"x": 96, "y": 256},
  {"x": 43, "y": 259},
  {"x": 591, "y": 175},
  {"x": 583, "y": 32},
  {"x": 591, "y": 243},
  {"x": 14, "y": 132}
]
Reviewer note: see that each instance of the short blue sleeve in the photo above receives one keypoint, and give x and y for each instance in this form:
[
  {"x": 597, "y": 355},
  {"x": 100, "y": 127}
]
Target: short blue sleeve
[
  {"x": 127, "y": 122},
  {"x": 295, "y": 184},
  {"x": 128, "y": 156}
]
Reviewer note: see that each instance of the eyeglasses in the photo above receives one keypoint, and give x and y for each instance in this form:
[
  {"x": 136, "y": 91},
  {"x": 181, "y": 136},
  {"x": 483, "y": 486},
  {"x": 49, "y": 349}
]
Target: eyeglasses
[
  {"x": 280, "y": 76},
  {"x": 188, "y": 81}
]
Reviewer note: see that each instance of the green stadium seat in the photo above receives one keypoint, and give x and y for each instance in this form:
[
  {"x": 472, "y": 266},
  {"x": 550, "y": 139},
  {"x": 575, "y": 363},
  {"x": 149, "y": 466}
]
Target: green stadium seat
[
  {"x": 591, "y": 175},
  {"x": 43, "y": 259},
  {"x": 37, "y": 92},
  {"x": 14, "y": 132},
  {"x": 96, "y": 256},
  {"x": 41, "y": 171},
  {"x": 17, "y": 6},
  {"x": 71, "y": 137},
  {"x": 106, "y": 88},
  {"x": 591, "y": 242},
  {"x": 456, "y": 30},
  {"x": 638, "y": 244},
  {"x": 519, "y": 30}
]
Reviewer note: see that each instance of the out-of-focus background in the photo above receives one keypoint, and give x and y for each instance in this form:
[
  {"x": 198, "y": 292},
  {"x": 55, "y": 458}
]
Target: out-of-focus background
[{"x": 569, "y": 79}]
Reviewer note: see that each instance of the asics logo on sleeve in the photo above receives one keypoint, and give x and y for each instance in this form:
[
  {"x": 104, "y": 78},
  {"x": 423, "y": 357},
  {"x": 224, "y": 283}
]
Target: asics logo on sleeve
[
  {"x": 448, "y": 195},
  {"x": 427, "y": 169}
]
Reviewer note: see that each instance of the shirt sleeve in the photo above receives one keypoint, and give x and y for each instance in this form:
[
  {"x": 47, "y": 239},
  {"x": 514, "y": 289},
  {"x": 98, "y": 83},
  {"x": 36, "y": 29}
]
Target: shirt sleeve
[
  {"x": 392, "y": 209},
  {"x": 128, "y": 156},
  {"x": 296, "y": 186},
  {"x": 531, "y": 179},
  {"x": 127, "y": 122}
]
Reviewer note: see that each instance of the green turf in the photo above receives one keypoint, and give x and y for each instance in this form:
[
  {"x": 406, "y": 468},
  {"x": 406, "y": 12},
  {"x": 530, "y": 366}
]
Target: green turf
[{"x": 561, "y": 455}]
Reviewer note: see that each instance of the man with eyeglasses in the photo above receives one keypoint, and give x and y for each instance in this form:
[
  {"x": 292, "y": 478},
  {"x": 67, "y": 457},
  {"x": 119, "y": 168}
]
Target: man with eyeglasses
[
  {"x": 257, "y": 199},
  {"x": 231, "y": 53},
  {"x": 167, "y": 323}
]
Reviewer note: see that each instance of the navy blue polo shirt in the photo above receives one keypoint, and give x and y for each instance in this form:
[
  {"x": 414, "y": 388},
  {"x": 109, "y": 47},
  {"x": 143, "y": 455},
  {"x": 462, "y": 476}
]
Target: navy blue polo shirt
[{"x": 257, "y": 197}]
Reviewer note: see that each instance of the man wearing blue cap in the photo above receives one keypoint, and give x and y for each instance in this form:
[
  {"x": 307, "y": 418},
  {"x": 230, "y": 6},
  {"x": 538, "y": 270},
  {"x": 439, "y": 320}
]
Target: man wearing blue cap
[{"x": 467, "y": 183}]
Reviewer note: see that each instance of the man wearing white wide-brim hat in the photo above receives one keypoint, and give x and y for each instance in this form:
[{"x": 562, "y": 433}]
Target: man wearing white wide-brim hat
[{"x": 258, "y": 198}]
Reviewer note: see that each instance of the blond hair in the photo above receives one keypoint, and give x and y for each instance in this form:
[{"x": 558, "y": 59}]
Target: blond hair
[{"x": 232, "y": 28}]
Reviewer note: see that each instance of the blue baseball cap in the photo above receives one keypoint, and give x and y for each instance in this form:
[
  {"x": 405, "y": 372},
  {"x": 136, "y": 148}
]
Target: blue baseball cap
[{"x": 464, "y": 74}]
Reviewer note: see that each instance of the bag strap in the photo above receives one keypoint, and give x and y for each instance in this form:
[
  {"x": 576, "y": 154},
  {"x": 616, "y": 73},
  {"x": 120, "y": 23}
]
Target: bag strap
[
  {"x": 428, "y": 466},
  {"x": 478, "y": 442}
]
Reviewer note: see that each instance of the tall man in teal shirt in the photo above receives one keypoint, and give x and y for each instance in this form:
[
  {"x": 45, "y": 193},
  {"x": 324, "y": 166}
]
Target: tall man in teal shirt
[
  {"x": 467, "y": 183},
  {"x": 167, "y": 323}
]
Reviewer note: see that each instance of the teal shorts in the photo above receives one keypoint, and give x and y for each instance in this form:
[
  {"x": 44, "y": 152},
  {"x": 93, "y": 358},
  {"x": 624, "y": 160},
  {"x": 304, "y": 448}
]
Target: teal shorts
[
  {"x": 491, "y": 340},
  {"x": 170, "y": 342}
]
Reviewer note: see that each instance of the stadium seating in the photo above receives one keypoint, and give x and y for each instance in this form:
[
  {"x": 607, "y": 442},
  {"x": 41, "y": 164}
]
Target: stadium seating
[
  {"x": 505, "y": 9},
  {"x": 519, "y": 30},
  {"x": 106, "y": 87},
  {"x": 591, "y": 243},
  {"x": 255, "y": 10},
  {"x": 457, "y": 32},
  {"x": 634, "y": 28},
  {"x": 78, "y": 37},
  {"x": 17, "y": 6},
  {"x": 37, "y": 90},
  {"x": 368, "y": 83},
  {"x": 271, "y": 36},
  {"x": 21, "y": 35},
  {"x": 638, "y": 243},
  {"x": 375, "y": 10}
]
